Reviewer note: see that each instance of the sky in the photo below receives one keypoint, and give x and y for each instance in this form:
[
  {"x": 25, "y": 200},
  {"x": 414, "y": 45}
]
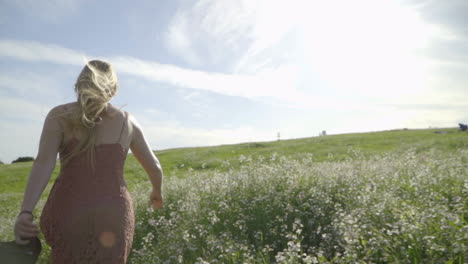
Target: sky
[{"x": 211, "y": 72}]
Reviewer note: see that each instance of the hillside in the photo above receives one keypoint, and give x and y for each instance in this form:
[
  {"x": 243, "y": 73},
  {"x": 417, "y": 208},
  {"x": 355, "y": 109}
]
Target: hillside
[
  {"x": 331, "y": 148},
  {"x": 176, "y": 162},
  {"x": 323, "y": 172}
]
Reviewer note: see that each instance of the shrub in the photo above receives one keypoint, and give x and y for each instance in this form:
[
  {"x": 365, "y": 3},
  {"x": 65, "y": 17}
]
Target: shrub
[
  {"x": 23, "y": 159},
  {"x": 400, "y": 207}
]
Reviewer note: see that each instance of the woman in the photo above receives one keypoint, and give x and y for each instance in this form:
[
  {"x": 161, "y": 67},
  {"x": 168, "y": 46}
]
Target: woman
[{"x": 88, "y": 216}]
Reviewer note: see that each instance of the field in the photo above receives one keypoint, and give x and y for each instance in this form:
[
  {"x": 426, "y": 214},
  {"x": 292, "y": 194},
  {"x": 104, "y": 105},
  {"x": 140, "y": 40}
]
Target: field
[{"x": 385, "y": 197}]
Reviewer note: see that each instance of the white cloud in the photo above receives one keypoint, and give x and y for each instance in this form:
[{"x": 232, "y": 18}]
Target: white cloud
[
  {"x": 216, "y": 30},
  {"x": 18, "y": 140},
  {"x": 13, "y": 108},
  {"x": 178, "y": 41},
  {"x": 227, "y": 20},
  {"x": 20, "y": 127},
  {"x": 36, "y": 51},
  {"x": 192, "y": 95},
  {"x": 398, "y": 84},
  {"x": 29, "y": 84},
  {"x": 279, "y": 84},
  {"x": 163, "y": 136},
  {"x": 356, "y": 48},
  {"x": 163, "y": 130},
  {"x": 268, "y": 83}
]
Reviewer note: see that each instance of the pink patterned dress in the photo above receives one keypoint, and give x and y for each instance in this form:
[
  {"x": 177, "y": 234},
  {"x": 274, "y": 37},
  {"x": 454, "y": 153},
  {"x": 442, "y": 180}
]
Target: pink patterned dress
[{"x": 88, "y": 216}]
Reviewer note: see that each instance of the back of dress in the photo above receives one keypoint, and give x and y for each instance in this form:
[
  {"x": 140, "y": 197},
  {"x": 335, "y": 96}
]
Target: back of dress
[{"x": 88, "y": 217}]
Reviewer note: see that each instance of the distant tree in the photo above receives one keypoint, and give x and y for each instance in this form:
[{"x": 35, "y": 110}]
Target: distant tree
[
  {"x": 463, "y": 127},
  {"x": 23, "y": 159},
  {"x": 1, "y": 162}
]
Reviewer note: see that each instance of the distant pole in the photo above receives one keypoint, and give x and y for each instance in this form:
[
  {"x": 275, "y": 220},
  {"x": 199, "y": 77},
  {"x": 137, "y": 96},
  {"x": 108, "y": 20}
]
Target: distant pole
[{"x": 278, "y": 135}]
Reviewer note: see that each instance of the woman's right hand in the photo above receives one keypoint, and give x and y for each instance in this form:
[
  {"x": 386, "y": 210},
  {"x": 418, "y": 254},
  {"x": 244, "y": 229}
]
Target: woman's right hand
[
  {"x": 25, "y": 228},
  {"x": 156, "y": 200}
]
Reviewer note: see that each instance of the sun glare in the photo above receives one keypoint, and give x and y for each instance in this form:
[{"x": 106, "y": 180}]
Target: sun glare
[{"x": 368, "y": 47}]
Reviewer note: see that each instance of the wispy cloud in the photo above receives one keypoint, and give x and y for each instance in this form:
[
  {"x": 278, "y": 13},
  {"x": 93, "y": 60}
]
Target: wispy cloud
[
  {"x": 20, "y": 126},
  {"x": 36, "y": 51},
  {"x": 169, "y": 134},
  {"x": 265, "y": 84},
  {"x": 29, "y": 84},
  {"x": 270, "y": 83},
  {"x": 450, "y": 14},
  {"x": 23, "y": 142},
  {"x": 234, "y": 35},
  {"x": 278, "y": 84},
  {"x": 177, "y": 39},
  {"x": 18, "y": 110},
  {"x": 218, "y": 31}
]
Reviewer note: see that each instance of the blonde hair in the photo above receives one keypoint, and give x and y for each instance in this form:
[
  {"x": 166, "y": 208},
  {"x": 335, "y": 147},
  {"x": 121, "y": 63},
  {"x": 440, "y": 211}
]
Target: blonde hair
[{"x": 95, "y": 87}]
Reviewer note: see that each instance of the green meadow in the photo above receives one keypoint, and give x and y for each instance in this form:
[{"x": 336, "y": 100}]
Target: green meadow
[{"x": 384, "y": 197}]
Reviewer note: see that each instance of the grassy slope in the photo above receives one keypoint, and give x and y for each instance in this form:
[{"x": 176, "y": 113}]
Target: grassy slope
[
  {"x": 175, "y": 162},
  {"x": 13, "y": 177}
]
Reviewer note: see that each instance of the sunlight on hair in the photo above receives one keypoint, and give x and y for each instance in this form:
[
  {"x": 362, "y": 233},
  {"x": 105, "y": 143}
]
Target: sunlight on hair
[
  {"x": 95, "y": 86},
  {"x": 84, "y": 60}
]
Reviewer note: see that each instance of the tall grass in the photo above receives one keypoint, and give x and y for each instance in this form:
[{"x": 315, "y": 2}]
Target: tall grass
[
  {"x": 400, "y": 207},
  {"x": 386, "y": 197}
]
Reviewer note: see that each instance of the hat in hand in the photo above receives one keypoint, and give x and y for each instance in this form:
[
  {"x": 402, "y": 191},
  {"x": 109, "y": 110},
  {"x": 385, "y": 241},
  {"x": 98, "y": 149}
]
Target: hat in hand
[{"x": 12, "y": 253}]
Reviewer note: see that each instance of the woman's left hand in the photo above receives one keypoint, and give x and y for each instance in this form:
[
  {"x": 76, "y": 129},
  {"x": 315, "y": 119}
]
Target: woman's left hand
[
  {"x": 156, "y": 200},
  {"x": 25, "y": 228}
]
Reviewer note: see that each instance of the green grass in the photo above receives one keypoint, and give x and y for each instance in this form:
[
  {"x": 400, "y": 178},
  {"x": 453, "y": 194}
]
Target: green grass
[
  {"x": 186, "y": 165},
  {"x": 178, "y": 161},
  {"x": 398, "y": 207}
]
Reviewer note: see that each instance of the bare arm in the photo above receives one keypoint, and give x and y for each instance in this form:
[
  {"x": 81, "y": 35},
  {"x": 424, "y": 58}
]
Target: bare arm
[
  {"x": 41, "y": 171},
  {"x": 142, "y": 151},
  {"x": 45, "y": 161}
]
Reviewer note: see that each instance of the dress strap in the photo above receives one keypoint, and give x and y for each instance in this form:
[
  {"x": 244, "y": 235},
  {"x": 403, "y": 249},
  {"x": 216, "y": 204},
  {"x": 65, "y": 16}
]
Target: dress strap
[{"x": 123, "y": 126}]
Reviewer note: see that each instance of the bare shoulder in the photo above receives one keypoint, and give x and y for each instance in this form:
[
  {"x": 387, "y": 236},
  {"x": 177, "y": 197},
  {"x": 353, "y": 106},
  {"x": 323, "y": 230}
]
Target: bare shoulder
[
  {"x": 133, "y": 121},
  {"x": 116, "y": 112},
  {"x": 60, "y": 110},
  {"x": 64, "y": 107},
  {"x": 56, "y": 118},
  {"x": 134, "y": 129}
]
